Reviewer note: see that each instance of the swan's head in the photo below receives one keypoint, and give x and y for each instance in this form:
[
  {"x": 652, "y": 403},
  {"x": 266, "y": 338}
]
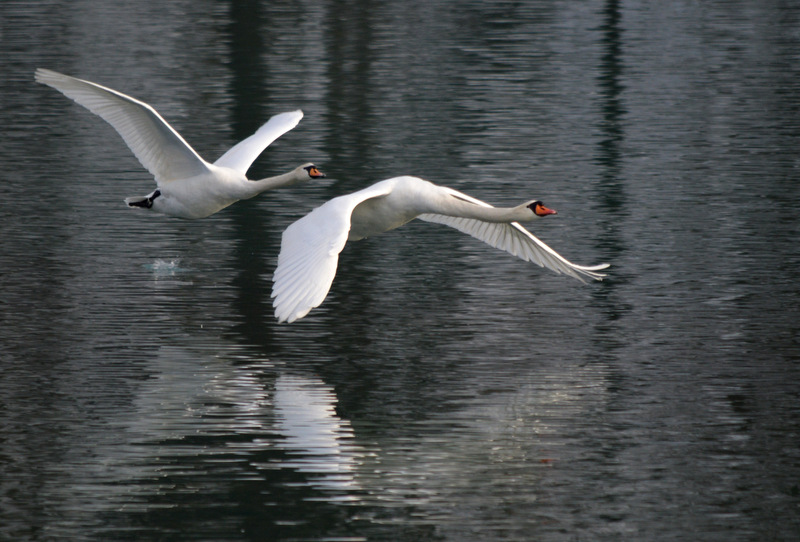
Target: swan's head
[
  {"x": 539, "y": 209},
  {"x": 309, "y": 171}
]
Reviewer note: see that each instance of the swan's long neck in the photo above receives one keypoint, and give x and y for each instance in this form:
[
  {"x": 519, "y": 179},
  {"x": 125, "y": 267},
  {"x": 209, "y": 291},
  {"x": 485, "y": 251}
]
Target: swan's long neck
[
  {"x": 253, "y": 188},
  {"x": 457, "y": 207}
]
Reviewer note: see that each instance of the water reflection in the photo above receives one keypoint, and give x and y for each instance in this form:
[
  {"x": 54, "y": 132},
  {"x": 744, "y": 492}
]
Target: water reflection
[
  {"x": 207, "y": 432},
  {"x": 610, "y": 190},
  {"x": 317, "y": 440},
  {"x": 255, "y": 85}
]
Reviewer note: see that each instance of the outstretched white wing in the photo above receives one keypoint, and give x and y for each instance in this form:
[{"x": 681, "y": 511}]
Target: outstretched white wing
[
  {"x": 242, "y": 155},
  {"x": 309, "y": 254},
  {"x": 514, "y": 239},
  {"x": 155, "y": 143}
]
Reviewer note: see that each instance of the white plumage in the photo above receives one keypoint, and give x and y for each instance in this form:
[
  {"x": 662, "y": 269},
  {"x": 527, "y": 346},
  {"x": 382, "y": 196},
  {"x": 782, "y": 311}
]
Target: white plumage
[
  {"x": 188, "y": 186},
  {"x": 310, "y": 247}
]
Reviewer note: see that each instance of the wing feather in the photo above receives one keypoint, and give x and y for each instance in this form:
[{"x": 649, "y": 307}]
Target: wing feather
[
  {"x": 242, "y": 155},
  {"x": 309, "y": 254},
  {"x": 159, "y": 148},
  {"x": 518, "y": 241}
]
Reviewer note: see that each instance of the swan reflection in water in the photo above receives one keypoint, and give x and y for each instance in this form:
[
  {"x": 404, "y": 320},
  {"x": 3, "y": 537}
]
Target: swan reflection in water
[
  {"x": 202, "y": 421},
  {"x": 317, "y": 441}
]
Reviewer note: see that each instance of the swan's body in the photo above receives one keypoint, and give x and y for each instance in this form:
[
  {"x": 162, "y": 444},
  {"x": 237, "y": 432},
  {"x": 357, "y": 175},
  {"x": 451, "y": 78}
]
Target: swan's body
[
  {"x": 310, "y": 247},
  {"x": 188, "y": 186}
]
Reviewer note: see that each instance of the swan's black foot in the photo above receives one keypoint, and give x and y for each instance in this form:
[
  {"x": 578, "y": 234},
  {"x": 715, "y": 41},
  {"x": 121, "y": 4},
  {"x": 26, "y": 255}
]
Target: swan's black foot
[{"x": 145, "y": 203}]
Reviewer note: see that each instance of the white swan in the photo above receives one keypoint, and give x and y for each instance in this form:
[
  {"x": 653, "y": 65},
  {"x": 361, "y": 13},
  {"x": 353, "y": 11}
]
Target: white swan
[
  {"x": 310, "y": 247},
  {"x": 188, "y": 186}
]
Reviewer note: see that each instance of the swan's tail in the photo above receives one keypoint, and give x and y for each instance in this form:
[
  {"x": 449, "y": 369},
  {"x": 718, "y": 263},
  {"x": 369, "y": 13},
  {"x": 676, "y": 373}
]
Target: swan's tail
[{"x": 145, "y": 202}]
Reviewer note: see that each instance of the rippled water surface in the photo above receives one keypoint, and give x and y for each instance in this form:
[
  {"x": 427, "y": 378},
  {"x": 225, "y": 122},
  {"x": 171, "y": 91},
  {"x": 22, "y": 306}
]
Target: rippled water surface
[{"x": 444, "y": 390}]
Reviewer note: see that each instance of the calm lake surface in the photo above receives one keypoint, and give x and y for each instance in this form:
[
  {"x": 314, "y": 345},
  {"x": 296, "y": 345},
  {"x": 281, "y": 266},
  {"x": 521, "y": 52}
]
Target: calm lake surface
[{"x": 444, "y": 390}]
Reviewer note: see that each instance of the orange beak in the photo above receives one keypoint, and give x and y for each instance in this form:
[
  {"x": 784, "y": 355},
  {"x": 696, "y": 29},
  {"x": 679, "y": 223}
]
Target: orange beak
[
  {"x": 541, "y": 210},
  {"x": 314, "y": 173}
]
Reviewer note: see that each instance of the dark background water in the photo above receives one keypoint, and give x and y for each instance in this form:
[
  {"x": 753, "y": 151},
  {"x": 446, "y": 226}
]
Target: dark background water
[{"x": 445, "y": 390}]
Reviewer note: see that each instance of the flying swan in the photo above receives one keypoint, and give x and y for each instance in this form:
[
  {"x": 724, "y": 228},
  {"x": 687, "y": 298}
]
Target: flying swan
[
  {"x": 310, "y": 247},
  {"x": 187, "y": 185}
]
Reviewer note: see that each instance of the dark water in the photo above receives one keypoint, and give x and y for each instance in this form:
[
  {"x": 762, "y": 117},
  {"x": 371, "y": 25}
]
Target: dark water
[{"x": 444, "y": 391}]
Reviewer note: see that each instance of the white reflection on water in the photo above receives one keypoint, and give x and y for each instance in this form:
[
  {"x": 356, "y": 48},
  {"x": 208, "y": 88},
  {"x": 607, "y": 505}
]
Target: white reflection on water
[
  {"x": 316, "y": 438},
  {"x": 201, "y": 424},
  {"x": 165, "y": 268}
]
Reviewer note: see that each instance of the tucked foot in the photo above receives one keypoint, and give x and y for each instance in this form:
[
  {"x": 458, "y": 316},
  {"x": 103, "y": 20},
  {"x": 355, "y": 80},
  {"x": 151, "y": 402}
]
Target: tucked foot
[{"x": 143, "y": 203}]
